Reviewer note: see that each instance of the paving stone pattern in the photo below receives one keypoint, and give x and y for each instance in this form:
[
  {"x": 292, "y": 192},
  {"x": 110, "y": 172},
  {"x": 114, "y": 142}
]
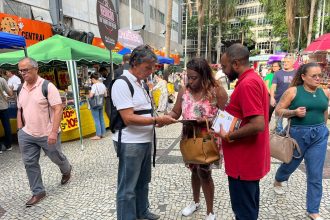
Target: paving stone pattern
[{"x": 92, "y": 191}]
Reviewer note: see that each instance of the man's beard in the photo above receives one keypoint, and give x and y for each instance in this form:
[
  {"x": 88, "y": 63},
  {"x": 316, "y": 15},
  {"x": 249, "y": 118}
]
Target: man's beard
[{"x": 232, "y": 76}]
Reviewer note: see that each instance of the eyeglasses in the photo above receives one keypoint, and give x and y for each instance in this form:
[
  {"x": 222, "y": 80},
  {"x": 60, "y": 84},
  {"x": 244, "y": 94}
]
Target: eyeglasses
[
  {"x": 21, "y": 71},
  {"x": 315, "y": 76}
]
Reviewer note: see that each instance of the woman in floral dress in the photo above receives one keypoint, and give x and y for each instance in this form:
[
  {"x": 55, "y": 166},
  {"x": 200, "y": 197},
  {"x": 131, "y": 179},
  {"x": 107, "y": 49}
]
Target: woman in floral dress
[{"x": 200, "y": 101}]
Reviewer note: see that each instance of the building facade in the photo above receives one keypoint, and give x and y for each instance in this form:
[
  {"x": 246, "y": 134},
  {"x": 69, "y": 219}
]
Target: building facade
[
  {"x": 78, "y": 16},
  {"x": 263, "y": 40}
]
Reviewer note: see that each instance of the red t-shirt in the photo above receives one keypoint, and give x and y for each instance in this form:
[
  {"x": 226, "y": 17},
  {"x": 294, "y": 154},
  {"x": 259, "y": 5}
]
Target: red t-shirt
[{"x": 248, "y": 158}]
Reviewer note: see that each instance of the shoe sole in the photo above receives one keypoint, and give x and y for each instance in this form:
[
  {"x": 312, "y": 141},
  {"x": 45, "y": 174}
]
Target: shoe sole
[{"x": 29, "y": 205}]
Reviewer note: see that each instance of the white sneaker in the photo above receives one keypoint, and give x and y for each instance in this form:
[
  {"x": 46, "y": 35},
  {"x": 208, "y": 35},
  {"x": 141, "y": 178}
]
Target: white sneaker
[
  {"x": 0, "y": 151},
  {"x": 190, "y": 209},
  {"x": 210, "y": 217},
  {"x": 10, "y": 149},
  {"x": 279, "y": 190}
]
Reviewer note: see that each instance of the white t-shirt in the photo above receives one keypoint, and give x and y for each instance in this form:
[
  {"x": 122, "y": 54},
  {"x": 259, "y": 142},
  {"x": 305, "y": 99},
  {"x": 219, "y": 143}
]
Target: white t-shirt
[
  {"x": 14, "y": 81},
  {"x": 122, "y": 99},
  {"x": 99, "y": 89}
]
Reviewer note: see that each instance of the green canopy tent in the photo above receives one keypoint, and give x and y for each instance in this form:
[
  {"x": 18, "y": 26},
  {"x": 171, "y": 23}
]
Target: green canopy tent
[{"x": 59, "y": 48}]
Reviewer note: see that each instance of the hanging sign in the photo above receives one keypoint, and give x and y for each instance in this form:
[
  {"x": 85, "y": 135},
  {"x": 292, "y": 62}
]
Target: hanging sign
[
  {"x": 107, "y": 23},
  {"x": 69, "y": 119}
]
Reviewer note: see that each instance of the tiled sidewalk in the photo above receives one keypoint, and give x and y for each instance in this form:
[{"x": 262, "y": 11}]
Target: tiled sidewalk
[{"x": 92, "y": 190}]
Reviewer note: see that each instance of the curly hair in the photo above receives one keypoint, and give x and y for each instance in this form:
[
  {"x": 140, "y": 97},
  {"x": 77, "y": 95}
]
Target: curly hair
[
  {"x": 208, "y": 81},
  {"x": 303, "y": 69}
]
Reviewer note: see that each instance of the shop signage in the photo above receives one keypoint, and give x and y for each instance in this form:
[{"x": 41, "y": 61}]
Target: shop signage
[
  {"x": 69, "y": 119},
  {"x": 33, "y": 31},
  {"x": 107, "y": 23},
  {"x": 129, "y": 38}
]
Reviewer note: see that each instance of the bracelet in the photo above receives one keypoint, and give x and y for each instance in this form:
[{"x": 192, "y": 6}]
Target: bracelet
[
  {"x": 227, "y": 138},
  {"x": 154, "y": 120}
]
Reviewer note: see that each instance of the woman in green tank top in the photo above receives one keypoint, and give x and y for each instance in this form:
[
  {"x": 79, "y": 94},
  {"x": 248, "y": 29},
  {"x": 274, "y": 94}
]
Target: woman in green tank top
[{"x": 306, "y": 104}]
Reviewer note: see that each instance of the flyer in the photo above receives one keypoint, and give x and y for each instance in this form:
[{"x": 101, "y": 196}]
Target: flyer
[{"x": 228, "y": 121}]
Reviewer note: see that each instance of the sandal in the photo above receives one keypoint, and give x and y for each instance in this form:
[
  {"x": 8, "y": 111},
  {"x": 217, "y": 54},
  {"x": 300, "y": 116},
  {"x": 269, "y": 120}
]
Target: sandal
[{"x": 95, "y": 138}]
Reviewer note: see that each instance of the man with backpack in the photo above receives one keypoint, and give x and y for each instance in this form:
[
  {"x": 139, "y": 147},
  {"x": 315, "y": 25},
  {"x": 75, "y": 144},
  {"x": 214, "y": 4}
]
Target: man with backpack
[
  {"x": 133, "y": 129},
  {"x": 38, "y": 126}
]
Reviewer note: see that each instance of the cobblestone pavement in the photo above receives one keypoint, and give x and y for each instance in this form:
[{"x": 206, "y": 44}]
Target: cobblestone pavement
[{"x": 91, "y": 192}]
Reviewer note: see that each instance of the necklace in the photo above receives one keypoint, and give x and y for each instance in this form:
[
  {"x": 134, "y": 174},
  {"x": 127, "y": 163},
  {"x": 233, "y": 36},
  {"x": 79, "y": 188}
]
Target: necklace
[{"x": 313, "y": 93}]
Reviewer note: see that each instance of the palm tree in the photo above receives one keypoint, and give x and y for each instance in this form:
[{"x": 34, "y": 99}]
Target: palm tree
[
  {"x": 225, "y": 10},
  {"x": 168, "y": 28},
  {"x": 246, "y": 24},
  {"x": 290, "y": 14},
  {"x": 310, "y": 24},
  {"x": 200, "y": 10}
]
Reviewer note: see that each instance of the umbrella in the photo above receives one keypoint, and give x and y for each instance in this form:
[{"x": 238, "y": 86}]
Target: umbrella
[
  {"x": 320, "y": 44},
  {"x": 12, "y": 41},
  {"x": 61, "y": 48},
  {"x": 165, "y": 60}
]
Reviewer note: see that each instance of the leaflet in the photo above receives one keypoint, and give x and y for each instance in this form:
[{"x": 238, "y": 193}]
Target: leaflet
[{"x": 228, "y": 121}]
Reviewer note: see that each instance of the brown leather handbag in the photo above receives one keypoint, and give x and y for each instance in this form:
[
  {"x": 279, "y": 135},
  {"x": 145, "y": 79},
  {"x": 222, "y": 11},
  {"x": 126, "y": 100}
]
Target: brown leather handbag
[
  {"x": 199, "y": 150},
  {"x": 282, "y": 147}
]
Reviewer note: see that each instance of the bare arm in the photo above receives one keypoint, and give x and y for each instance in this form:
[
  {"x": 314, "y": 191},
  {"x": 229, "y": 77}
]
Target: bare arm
[
  {"x": 19, "y": 119},
  {"x": 255, "y": 125},
  {"x": 284, "y": 103},
  {"x": 326, "y": 113},
  {"x": 177, "y": 109},
  {"x": 222, "y": 97},
  {"x": 58, "y": 110},
  {"x": 272, "y": 94}
]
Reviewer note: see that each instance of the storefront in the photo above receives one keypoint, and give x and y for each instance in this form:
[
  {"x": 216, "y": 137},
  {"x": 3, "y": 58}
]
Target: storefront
[{"x": 54, "y": 66}]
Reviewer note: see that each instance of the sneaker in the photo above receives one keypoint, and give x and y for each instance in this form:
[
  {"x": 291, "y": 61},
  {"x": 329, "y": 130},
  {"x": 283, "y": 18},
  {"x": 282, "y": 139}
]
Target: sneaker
[
  {"x": 190, "y": 209},
  {"x": 210, "y": 217},
  {"x": 0, "y": 151},
  {"x": 279, "y": 190},
  {"x": 10, "y": 149}
]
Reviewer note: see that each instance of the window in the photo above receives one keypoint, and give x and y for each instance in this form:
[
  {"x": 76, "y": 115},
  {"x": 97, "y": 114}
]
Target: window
[
  {"x": 138, "y": 5},
  {"x": 152, "y": 13},
  {"x": 175, "y": 25},
  {"x": 17, "y": 8}
]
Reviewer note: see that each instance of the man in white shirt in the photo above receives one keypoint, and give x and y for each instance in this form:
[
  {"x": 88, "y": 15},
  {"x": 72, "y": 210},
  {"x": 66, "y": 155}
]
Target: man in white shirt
[
  {"x": 13, "y": 80},
  {"x": 133, "y": 142}
]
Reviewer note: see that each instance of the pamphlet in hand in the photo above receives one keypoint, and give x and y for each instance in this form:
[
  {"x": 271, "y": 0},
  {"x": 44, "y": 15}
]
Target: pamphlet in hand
[{"x": 229, "y": 122}]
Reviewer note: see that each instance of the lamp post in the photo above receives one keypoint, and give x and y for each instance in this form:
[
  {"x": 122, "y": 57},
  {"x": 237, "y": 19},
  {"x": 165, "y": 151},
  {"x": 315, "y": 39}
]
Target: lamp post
[
  {"x": 185, "y": 36},
  {"x": 299, "y": 29},
  {"x": 130, "y": 14}
]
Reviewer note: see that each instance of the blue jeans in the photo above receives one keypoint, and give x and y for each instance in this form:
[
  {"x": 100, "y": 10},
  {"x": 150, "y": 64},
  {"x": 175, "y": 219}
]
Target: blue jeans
[
  {"x": 279, "y": 126},
  {"x": 134, "y": 175},
  {"x": 98, "y": 121},
  {"x": 312, "y": 141},
  {"x": 4, "y": 117}
]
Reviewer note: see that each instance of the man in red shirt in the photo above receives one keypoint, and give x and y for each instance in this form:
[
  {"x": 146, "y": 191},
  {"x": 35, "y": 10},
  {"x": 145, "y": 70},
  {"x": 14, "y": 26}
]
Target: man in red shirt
[{"x": 246, "y": 150}]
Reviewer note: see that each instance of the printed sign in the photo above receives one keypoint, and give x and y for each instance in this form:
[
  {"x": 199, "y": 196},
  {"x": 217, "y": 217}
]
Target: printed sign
[
  {"x": 69, "y": 119},
  {"x": 33, "y": 31},
  {"x": 107, "y": 23},
  {"x": 129, "y": 39}
]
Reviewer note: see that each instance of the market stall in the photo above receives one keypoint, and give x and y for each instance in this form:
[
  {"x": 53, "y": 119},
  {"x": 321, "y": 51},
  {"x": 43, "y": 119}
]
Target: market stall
[
  {"x": 10, "y": 42},
  {"x": 59, "y": 52},
  {"x": 319, "y": 51}
]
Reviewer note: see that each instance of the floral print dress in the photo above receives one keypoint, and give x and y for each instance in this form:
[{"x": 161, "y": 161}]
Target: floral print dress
[{"x": 197, "y": 109}]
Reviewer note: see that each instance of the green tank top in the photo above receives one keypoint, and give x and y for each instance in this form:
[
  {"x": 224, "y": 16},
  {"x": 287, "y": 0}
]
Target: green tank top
[{"x": 316, "y": 104}]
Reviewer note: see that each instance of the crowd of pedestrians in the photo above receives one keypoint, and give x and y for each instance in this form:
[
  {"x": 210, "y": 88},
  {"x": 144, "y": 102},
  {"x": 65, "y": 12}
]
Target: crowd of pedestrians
[{"x": 295, "y": 95}]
